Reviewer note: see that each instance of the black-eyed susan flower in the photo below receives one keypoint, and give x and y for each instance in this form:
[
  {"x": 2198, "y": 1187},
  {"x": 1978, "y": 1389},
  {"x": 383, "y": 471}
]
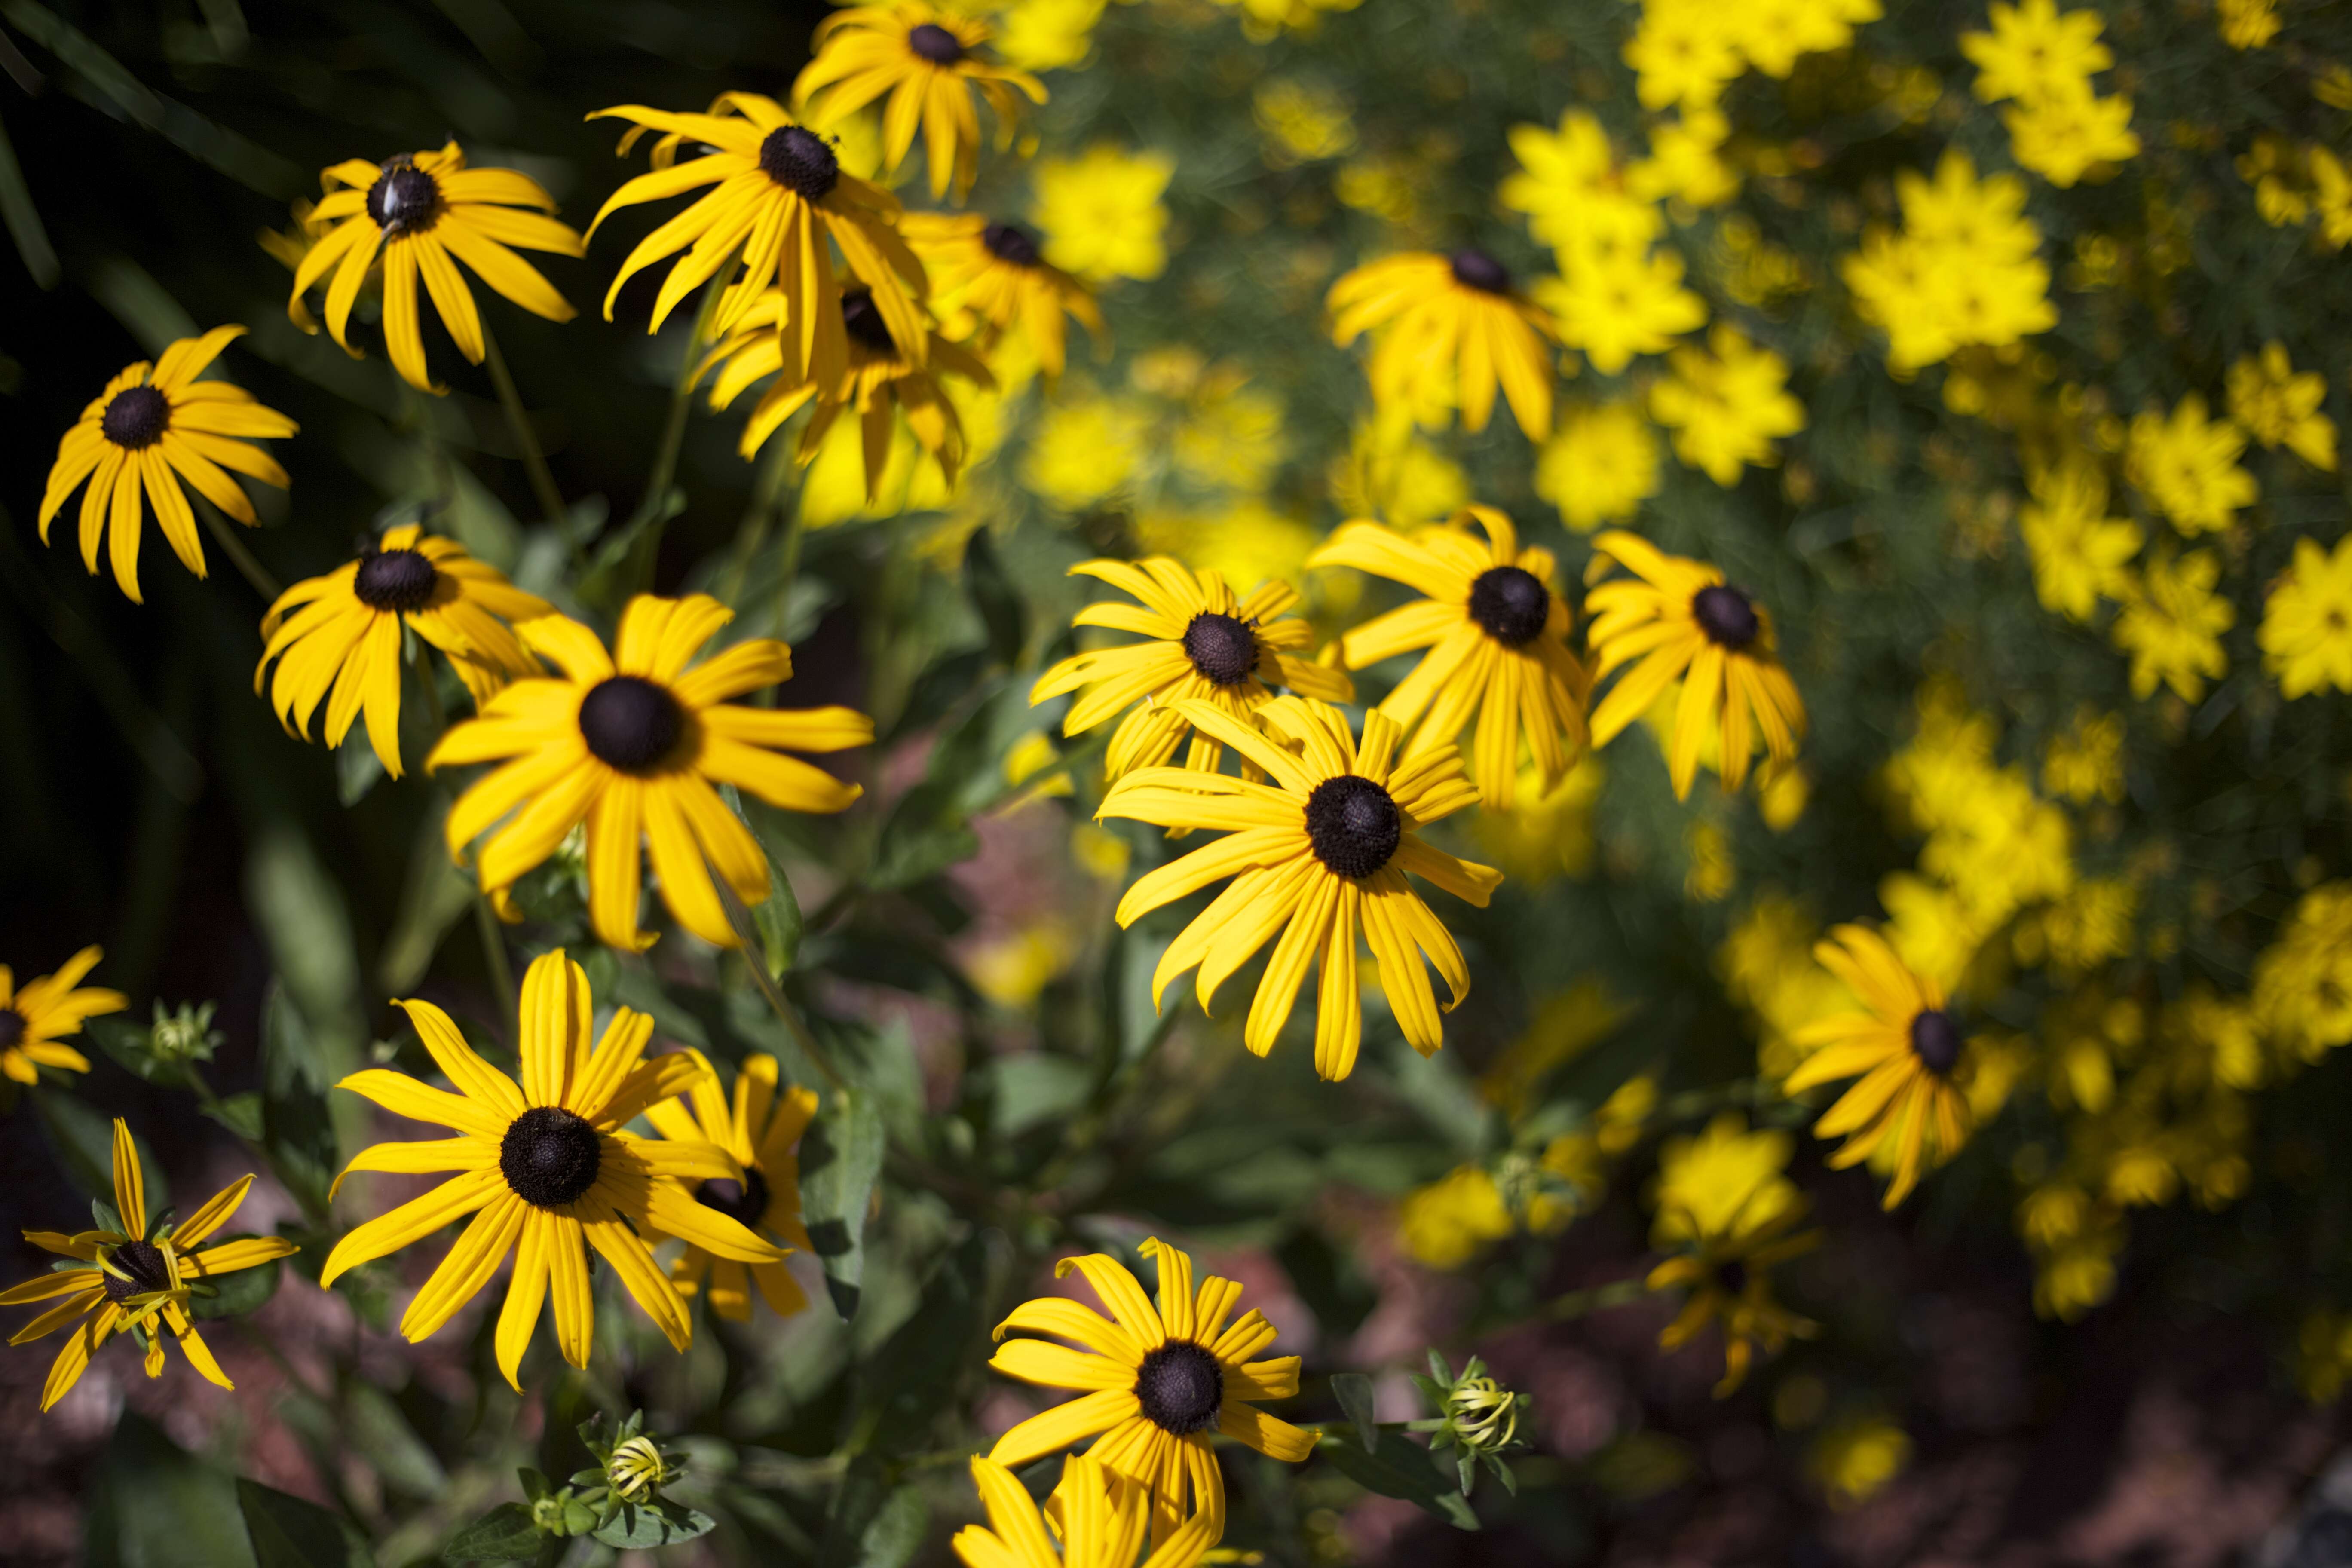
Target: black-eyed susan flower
[
  {"x": 136, "y": 1275},
  {"x": 630, "y": 742},
  {"x": 1907, "y": 1051},
  {"x": 928, "y": 62},
  {"x": 1098, "y": 1519},
  {"x": 1728, "y": 1214},
  {"x": 1679, "y": 619},
  {"x": 760, "y": 1129},
  {"x": 996, "y": 273},
  {"x": 36, "y": 1016},
  {"x": 781, "y": 193},
  {"x": 877, "y": 381},
  {"x": 343, "y": 634},
  {"x": 1450, "y": 318},
  {"x": 1320, "y": 854},
  {"x": 1205, "y": 643},
  {"x": 418, "y": 214},
  {"x": 1157, "y": 1383},
  {"x": 1497, "y": 631},
  {"x": 154, "y": 426},
  {"x": 546, "y": 1169}
]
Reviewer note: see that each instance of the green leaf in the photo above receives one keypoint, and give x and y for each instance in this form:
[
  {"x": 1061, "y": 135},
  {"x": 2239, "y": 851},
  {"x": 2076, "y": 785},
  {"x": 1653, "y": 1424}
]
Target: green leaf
[
  {"x": 152, "y": 1503},
  {"x": 1033, "y": 1088},
  {"x": 902, "y": 1388},
  {"x": 505, "y": 1534},
  {"x": 1353, "y": 1390},
  {"x": 840, "y": 1157},
  {"x": 240, "y": 1113},
  {"x": 873, "y": 1524},
  {"x": 288, "y": 1532},
  {"x": 374, "y": 1427},
  {"x": 534, "y": 1485},
  {"x": 297, "y": 1129},
  {"x": 778, "y": 917},
  {"x": 662, "y": 1523},
  {"x": 993, "y": 595},
  {"x": 239, "y": 1292},
  {"x": 1395, "y": 1466}
]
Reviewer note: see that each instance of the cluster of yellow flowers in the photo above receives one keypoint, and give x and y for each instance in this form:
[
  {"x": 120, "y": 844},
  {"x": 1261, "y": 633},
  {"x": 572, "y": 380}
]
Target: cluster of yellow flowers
[
  {"x": 1964, "y": 269},
  {"x": 2043, "y": 62}
]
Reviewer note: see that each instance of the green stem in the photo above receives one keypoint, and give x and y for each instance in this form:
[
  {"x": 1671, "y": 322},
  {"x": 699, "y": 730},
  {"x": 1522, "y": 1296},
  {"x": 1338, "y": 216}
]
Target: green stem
[
  {"x": 534, "y": 462},
  {"x": 251, "y": 569},
  {"x": 643, "y": 531},
  {"x": 740, "y": 918},
  {"x": 752, "y": 532},
  {"x": 494, "y": 951}
]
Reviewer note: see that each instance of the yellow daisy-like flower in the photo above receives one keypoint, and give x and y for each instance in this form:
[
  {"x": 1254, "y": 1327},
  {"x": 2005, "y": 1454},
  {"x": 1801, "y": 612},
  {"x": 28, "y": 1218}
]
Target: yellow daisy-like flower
[
  {"x": 1097, "y": 1515},
  {"x": 1905, "y": 1050},
  {"x": 547, "y": 1171},
  {"x": 36, "y": 1016},
  {"x": 996, "y": 273},
  {"x": 2306, "y": 631},
  {"x": 1727, "y": 1207},
  {"x": 1205, "y": 643},
  {"x": 1449, "y": 318},
  {"x": 135, "y": 1277},
  {"x": 421, "y": 214},
  {"x": 759, "y": 1129},
  {"x": 631, "y": 741},
  {"x": 344, "y": 632},
  {"x": 928, "y": 62},
  {"x": 878, "y": 380},
  {"x": 152, "y": 426},
  {"x": 1318, "y": 855},
  {"x": 781, "y": 193},
  {"x": 1157, "y": 1383},
  {"x": 1496, "y": 632},
  {"x": 1679, "y": 619}
]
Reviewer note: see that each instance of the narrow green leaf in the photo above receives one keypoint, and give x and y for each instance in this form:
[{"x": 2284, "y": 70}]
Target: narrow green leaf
[
  {"x": 993, "y": 595},
  {"x": 644, "y": 1525},
  {"x": 505, "y": 1534},
  {"x": 840, "y": 1156},
  {"x": 375, "y": 1427},
  {"x": 873, "y": 1523},
  {"x": 1397, "y": 1466},
  {"x": 241, "y": 1114},
  {"x": 1353, "y": 1390},
  {"x": 288, "y": 1532}
]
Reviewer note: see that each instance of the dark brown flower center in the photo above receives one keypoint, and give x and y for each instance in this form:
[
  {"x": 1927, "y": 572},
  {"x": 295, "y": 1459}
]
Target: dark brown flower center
[
  {"x": 12, "y": 1028},
  {"x": 1726, "y": 616},
  {"x": 1224, "y": 650},
  {"x": 799, "y": 160},
  {"x": 1353, "y": 824},
  {"x": 862, "y": 318},
  {"x": 1731, "y": 1277},
  {"x": 1179, "y": 1386},
  {"x": 135, "y": 418},
  {"x": 1476, "y": 270},
  {"x": 1010, "y": 242},
  {"x": 630, "y": 722},
  {"x": 935, "y": 43},
  {"x": 142, "y": 1262},
  {"x": 1935, "y": 1041},
  {"x": 549, "y": 1156},
  {"x": 1510, "y": 604},
  {"x": 393, "y": 580},
  {"x": 743, "y": 1201},
  {"x": 404, "y": 199}
]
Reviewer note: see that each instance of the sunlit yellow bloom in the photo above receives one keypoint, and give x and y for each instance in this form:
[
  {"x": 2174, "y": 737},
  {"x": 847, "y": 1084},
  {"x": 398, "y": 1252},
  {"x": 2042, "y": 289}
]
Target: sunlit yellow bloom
[
  {"x": 2078, "y": 552},
  {"x": 2065, "y": 138},
  {"x": 1679, "y": 619},
  {"x": 1772, "y": 34},
  {"x": 1454, "y": 316},
  {"x": 2247, "y": 24},
  {"x": 995, "y": 272},
  {"x": 1569, "y": 186},
  {"x": 1616, "y": 304},
  {"x": 1085, "y": 449},
  {"x": 548, "y": 1170},
  {"x": 1156, "y": 1382},
  {"x": 420, "y": 213},
  {"x": 2188, "y": 465},
  {"x": 136, "y": 1275},
  {"x": 780, "y": 195},
  {"x": 1727, "y": 405},
  {"x": 1047, "y": 35},
  {"x": 343, "y": 633},
  {"x": 36, "y": 1016},
  {"x": 1101, "y": 212},
  {"x": 1098, "y": 1521},
  {"x": 1495, "y": 628},
  {"x": 2280, "y": 406},
  {"x": 2307, "y": 632},
  {"x": 1725, "y": 1204},
  {"x": 1318, "y": 855},
  {"x": 1683, "y": 52},
  {"x": 631, "y": 743},
  {"x": 1449, "y": 1222},
  {"x": 759, "y": 1131},
  {"x": 1686, "y": 163},
  {"x": 1904, "y": 1050},
  {"x": 2173, "y": 624},
  {"x": 1600, "y": 466},
  {"x": 2034, "y": 53},
  {"x": 1204, "y": 643},
  {"x": 928, "y": 63},
  {"x": 154, "y": 427}
]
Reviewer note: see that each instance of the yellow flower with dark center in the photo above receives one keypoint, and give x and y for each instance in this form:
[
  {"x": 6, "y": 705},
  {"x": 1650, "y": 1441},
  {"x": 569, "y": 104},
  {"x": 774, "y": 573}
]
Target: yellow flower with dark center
[
  {"x": 547, "y": 1171},
  {"x": 37, "y": 1014},
  {"x": 343, "y": 633},
  {"x": 1679, "y": 619},
  {"x": 780, "y": 195},
  {"x": 1097, "y": 1515},
  {"x": 1156, "y": 1382},
  {"x": 928, "y": 62},
  {"x": 1907, "y": 1051},
  {"x": 995, "y": 272},
  {"x": 1724, "y": 1203},
  {"x": 421, "y": 214},
  {"x": 877, "y": 381},
  {"x": 152, "y": 426},
  {"x": 761, "y": 1129},
  {"x": 136, "y": 1278},
  {"x": 631, "y": 743},
  {"x": 1206, "y": 644},
  {"x": 1453, "y": 319},
  {"x": 1496, "y": 632},
  {"x": 1320, "y": 854}
]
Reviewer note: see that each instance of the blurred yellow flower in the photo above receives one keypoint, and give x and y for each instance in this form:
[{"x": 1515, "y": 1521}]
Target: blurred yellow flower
[
  {"x": 1684, "y": 52},
  {"x": 2067, "y": 138},
  {"x": 1727, "y": 405},
  {"x": 1853, "y": 1460},
  {"x": 1402, "y": 480},
  {"x": 2084, "y": 762},
  {"x": 1725, "y": 1207},
  {"x": 2079, "y": 552},
  {"x": 1264, "y": 20},
  {"x": 2303, "y": 980},
  {"x": 1963, "y": 269},
  {"x": 1600, "y": 466},
  {"x": 1012, "y": 971},
  {"x": 2173, "y": 624},
  {"x": 2034, "y": 53},
  {"x": 2280, "y": 406},
  {"x": 1449, "y": 1222},
  {"x": 1616, "y": 304},
  {"x": 2187, "y": 466},
  {"x": 2247, "y": 24},
  {"x": 1458, "y": 314},
  {"x": 1548, "y": 832},
  {"x": 1302, "y": 122},
  {"x": 34, "y": 1016},
  {"x": 1686, "y": 162},
  {"x": 2307, "y": 632},
  {"x": 1101, "y": 212},
  {"x": 1085, "y": 450}
]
